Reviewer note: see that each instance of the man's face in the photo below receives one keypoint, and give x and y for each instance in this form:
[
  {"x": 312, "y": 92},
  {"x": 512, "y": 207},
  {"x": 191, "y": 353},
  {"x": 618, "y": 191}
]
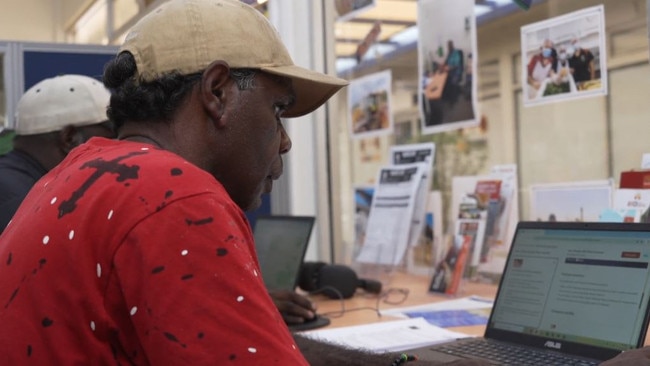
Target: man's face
[{"x": 257, "y": 139}]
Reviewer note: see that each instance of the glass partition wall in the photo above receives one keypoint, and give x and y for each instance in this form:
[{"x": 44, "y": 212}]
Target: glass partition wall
[{"x": 586, "y": 139}]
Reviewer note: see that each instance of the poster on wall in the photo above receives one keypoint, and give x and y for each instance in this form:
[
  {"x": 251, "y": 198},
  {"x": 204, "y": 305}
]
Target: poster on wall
[
  {"x": 446, "y": 50},
  {"x": 564, "y": 58},
  {"x": 572, "y": 201},
  {"x": 370, "y": 105}
]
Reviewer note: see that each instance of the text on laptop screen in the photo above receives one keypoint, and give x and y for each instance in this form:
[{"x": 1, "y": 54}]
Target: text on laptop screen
[
  {"x": 281, "y": 242},
  {"x": 566, "y": 283}
]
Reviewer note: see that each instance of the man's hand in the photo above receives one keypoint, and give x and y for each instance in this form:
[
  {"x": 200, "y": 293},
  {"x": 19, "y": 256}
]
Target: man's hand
[
  {"x": 636, "y": 357},
  {"x": 295, "y": 308}
]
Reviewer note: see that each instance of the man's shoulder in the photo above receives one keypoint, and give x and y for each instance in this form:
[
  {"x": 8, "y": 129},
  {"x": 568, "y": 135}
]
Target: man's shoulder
[
  {"x": 141, "y": 174},
  {"x": 19, "y": 169}
]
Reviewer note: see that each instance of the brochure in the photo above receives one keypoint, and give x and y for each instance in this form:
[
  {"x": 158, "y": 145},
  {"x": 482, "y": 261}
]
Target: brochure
[{"x": 391, "y": 214}]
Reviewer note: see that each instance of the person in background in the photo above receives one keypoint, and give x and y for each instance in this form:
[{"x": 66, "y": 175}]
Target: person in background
[
  {"x": 581, "y": 61},
  {"x": 455, "y": 68},
  {"x": 548, "y": 44},
  {"x": 53, "y": 117},
  {"x": 563, "y": 69},
  {"x": 540, "y": 68}
]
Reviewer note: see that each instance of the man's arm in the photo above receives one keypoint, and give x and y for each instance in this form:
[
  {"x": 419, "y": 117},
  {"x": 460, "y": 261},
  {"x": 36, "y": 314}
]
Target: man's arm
[{"x": 324, "y": 354}]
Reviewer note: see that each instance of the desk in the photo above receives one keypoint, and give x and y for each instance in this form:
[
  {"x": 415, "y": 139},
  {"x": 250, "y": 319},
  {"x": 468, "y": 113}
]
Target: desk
[{"x": 418, "y": 295}]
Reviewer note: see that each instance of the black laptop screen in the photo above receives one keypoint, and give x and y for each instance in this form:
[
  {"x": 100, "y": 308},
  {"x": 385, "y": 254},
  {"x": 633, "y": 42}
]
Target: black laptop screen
[
  {"x": 281, "y": 242},
  {"x": 579, "y": 283}
]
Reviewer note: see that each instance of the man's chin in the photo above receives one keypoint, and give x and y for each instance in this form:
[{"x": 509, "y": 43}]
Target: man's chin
[{"x": 256, "y": 203}]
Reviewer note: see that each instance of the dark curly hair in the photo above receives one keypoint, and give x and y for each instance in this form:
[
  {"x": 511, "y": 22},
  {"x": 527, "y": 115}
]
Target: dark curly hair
[{"x": 136, "y": 100}]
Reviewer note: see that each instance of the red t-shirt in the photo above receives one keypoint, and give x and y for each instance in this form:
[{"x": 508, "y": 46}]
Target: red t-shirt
[{"x": 128, "y": 254}]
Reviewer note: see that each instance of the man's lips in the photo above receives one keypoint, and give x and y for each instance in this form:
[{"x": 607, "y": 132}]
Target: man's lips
[{"x": 268, "y": 182}]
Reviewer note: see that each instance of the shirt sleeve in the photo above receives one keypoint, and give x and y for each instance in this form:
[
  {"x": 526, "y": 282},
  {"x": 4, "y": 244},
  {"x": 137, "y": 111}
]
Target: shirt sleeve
[{"x": 193, "y": 292}]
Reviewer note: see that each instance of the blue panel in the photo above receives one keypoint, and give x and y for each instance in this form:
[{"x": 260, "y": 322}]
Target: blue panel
[{"x": 39, "y": 65}]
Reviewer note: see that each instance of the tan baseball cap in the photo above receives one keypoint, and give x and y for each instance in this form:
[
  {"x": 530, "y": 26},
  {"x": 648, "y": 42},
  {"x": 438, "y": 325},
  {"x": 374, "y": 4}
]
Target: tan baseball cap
[
  {"x": 64, "y": 100},
  {"x": 188, "y": 35}
]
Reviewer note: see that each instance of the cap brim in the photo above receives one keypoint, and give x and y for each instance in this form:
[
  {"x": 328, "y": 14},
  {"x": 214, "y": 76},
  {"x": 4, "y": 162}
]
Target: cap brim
[{"x": 312, "y": 88}]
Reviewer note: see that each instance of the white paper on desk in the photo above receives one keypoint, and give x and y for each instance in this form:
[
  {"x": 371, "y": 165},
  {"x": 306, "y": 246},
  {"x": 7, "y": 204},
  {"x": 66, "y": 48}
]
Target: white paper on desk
[
  {"x": 391, "y": 213},
  {"x": 393, "y": 336}
]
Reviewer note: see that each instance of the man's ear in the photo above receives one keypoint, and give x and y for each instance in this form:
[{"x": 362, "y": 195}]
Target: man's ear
[
  {"x": 69, "y": 138},
  {"x": 215, "y": 84}
]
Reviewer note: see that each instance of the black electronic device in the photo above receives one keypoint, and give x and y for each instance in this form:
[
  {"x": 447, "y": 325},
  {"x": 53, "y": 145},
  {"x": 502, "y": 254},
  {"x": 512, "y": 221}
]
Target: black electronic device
[{"x": 334, "y": 280}]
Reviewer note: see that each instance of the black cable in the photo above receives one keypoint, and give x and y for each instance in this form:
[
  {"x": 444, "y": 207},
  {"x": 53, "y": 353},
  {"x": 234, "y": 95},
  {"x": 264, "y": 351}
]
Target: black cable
[{"x": 381, "y": 298}]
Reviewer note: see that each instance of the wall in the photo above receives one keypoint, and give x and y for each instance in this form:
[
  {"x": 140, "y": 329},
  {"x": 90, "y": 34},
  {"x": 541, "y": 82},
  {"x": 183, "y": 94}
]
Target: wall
[{"x": 31, "y": 20}]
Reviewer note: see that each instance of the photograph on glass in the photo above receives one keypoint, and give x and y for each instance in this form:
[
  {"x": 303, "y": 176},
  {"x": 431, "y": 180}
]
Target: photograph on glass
[
  {"x": 564, "y": 58},
  {"x": 583, "y": 201},
  {"x": 369, "y": 105},
  {"x": 446, "y": 50}
]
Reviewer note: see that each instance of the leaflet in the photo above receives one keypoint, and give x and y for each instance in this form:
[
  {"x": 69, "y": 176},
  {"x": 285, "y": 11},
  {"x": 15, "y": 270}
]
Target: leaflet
[{"x": 391, "y": 214}]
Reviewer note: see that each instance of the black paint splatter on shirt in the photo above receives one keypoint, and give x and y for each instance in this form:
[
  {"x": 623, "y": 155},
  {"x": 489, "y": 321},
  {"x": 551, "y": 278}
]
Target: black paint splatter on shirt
[
  {"x": 46, "y": 322},
  {"x": 222, "y": 252},
  {"x": 198, "y": 222},
  {"x": 176, "y": 172},
  {"x": 124, "y": 172},
  {"x": 187, "y": 277},
  {"x": 9, "y": 258},
  {"x": 12, "y": 297},
  {"x": 173, "y": 338},
  {"x": 158, "y": 269}
]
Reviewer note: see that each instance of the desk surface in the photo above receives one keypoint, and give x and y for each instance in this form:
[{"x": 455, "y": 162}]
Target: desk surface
[{"x": 417, "y": 295}]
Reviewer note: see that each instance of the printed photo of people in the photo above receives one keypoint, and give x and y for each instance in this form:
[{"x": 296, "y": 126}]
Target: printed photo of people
[
  {"x": 446, "y": 48},
  {"x": 564, "y": 57},
  {"x": 369, "y": 105}
]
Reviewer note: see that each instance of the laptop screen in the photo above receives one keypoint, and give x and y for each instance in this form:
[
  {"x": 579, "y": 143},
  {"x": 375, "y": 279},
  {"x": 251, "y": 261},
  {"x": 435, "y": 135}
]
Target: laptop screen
[
  {"x": 576, "y": 284},
  {"x": 281, "y": 243}
]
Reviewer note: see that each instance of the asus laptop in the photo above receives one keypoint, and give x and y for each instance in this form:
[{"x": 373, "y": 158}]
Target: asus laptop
[
  {"x": 281, "y": 243},
  {"x": 571, "y": 294}
]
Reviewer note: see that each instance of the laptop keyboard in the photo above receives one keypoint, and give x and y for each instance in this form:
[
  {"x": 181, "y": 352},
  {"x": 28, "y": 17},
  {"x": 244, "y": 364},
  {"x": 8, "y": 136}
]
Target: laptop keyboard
[{"x": 505, "y": 354}]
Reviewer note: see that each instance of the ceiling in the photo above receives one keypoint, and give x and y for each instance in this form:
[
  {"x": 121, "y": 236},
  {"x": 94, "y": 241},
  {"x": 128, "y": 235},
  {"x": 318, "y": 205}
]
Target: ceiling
[{"x": 398, "y": 22}]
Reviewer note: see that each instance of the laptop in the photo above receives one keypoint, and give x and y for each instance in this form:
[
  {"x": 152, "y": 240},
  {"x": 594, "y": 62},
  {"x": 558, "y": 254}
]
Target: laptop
[
  {"x": 281, "y": 243},
  {"x": 568, "y": 290}
]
